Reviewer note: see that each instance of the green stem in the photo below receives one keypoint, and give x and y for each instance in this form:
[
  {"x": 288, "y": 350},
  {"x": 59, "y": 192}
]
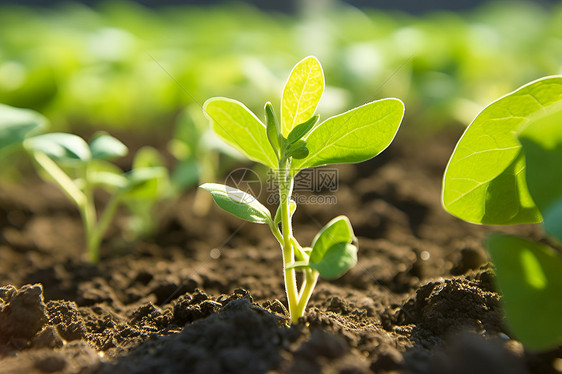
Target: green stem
[
  {"x": 311, "y": 277},
  {"x": 285, "y": 189},
  {"x": 100, "y": 228},
  {"x": 89, "y": 217}
]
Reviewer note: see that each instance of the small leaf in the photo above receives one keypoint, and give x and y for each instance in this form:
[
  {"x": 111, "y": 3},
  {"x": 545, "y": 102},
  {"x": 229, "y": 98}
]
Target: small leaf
[
  {"x": 301, "y": 130},
  {"x": 297, "y": 150},
  {"x": 354, "y": 136},
  {"x": 485, "y": 178},
  {"x": 337, "y": 260},
  {"x": 60, "y": 146},
  {"x": 106, "y": 147},
  {"x": 273, "y": 129},
  {"x": 148, "y": 156},
  {"x": 529, "y": 277},
  {"x": 332, "y": 252},
  {"x": 238, "y": 203},
  {"x": 16, "y": 124},
  {"x": 240, "y": 128},
  {"x": 145, "y": 183},
  {"x": 301, "y": 94},
  {"x": 107, "y": 175}
]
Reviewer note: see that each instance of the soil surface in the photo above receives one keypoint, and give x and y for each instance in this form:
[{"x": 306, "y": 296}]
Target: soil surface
[{"x": 205, "y": 294}]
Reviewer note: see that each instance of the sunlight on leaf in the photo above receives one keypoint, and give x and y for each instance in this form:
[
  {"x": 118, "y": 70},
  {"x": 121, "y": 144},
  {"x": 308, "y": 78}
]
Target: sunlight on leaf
[{"x": 301, "y": 94}]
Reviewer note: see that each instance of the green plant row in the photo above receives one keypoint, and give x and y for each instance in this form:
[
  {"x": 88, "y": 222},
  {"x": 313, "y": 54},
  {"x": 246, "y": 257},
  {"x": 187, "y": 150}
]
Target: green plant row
[{"x": 104, "y": 66}]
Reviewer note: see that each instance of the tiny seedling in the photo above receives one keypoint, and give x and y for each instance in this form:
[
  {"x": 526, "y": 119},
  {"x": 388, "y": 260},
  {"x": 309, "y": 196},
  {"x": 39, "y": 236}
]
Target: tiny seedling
[
  {"x": 290, "y": 144},
  {"x": 201, "y": 156},
  {"x": 77, "y": 168},
  {"x": 505, "y": 170}
]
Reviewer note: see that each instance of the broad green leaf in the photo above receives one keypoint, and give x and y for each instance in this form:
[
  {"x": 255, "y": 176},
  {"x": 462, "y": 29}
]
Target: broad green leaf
[
  {"x": 16, "y": 124},
  {"x": 332, "y": 252},
  {"x": 60, "y": 146},
  {"x": 301, "y": 94},
  {"x": 529, "y": 277},
  {"x": 238, "y": 203},
  {"x": 106, "y": 147},
  {"x": 354, "y": 136},
  {"x": 485, "y": 178},
  {"x": 240, "y": 128},
  {"x": 542, "y": 144}
]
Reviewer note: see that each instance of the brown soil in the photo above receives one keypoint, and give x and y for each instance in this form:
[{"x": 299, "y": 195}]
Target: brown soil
[{"x": 205, "y": 295}]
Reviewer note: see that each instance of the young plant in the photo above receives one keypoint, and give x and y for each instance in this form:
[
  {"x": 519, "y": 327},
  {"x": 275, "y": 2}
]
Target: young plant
[
  {"x": 295, "y": 142},
  {"x": 77, "y": 168},
  {"x": 201, "y": 156},
  {"x": 507, "y": 169}
]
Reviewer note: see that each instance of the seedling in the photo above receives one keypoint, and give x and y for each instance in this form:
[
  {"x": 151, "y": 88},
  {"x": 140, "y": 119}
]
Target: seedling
[
  {"x": 201, "y": 156},
  {"x": 295, "y": 142},
  {"x": 506, "y": 169},
  {"x": 77, "y": 168}
]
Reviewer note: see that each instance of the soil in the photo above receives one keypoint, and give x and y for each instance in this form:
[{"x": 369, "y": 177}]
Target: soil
[{"x": 205, "y": 294}]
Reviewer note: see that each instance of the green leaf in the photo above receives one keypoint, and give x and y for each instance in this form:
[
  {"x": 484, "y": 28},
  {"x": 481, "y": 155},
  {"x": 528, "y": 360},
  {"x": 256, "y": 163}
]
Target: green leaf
[
  {"x": 106, "y": 147},
  {"x": 60, "y": 146},
  {"x": 354, "y": 136},
  {"x": 542, "y": 144},
  {"x": 145, "y": 183},
  {"x": 301, "y": 130},
  {"x": 301, "y": 94},
  {"x": 148, "y": 156},
  {"x": 485, "y": 178},
  {"x": 16, "y": 124},
  {"x": 238, "y": 203},
  {"x": 240, "y": 128},
  {"x": 105, "y": 174},
  {"x": 529, "y": 277},
  {"x": 297, "y": 150},
  {"x": 332, "y": 252},
  {"x": 272, "y": 128}
]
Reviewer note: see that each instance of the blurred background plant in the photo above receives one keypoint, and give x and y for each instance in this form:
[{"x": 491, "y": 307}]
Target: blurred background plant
[{"x": 121, "y": 66}]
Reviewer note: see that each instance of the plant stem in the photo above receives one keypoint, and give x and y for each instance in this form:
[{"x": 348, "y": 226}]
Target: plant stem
[
  {"x": 99, "y": 229},
  {"x": 311, "y": 277},
  {"x": 89, "y": 217},
  {"x": 285, "y": 189}
]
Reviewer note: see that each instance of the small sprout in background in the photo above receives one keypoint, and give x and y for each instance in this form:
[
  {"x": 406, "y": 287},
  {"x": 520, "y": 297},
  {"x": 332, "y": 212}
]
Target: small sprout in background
[
  {"x": 78, "y": 167},
  {"x": 296, "y": 142},
  {"x": 506, "y": 170},
  {"x": 200, "y": 154}
]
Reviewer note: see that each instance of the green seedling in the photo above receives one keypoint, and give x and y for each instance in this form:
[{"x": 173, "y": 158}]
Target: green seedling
[
  {"x": 505, "y": 170},
  {"x": 295, "y": 142},
  {"x": 77, "y": 168},
  {"x": 201, "y": 156}
]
